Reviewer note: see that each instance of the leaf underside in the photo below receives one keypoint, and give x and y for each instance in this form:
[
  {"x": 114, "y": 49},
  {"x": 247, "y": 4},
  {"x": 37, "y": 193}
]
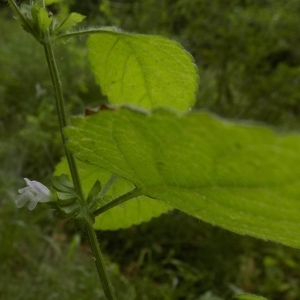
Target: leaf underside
[
  {"x": 239, "y": 177},
  {"x": 143, "y": 70}
]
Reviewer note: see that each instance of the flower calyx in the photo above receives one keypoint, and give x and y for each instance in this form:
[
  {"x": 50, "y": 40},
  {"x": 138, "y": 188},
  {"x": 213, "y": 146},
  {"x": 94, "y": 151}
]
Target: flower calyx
[
  {"x": 36, "y": 19},
  {"x": 86, "y": 212},
  {"x": 69, "y": 204}
]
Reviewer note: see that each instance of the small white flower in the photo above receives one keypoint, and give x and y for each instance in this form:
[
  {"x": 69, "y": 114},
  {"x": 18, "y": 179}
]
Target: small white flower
[{"x": 34, "y": 192}]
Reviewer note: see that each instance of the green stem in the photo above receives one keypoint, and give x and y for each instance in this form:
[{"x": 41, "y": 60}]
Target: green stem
[
  {"x": 47, "y": 43},
  {"x": 61, "y": 112},
  {"x": 132, "y": 194},
  {"x": 73, "y": 167},
  {"x": 99, "y": 261}
]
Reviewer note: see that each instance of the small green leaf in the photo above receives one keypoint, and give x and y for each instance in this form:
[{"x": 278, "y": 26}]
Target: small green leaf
[
  {"x": 135, "y": 211},
  {"x": 143, "y": 70},
  {"x": 71, "y": 20},
  {"x": 43, "y": 19},
  {"x": 62, "y": 183},
  {"x": 70, "y": 209},
  {"x": 66, "y": 196},
  {"x": 40, "y": 17},
  {"x": 94, "y": 192},
  {"x": 249, "y": 297},
  {"x": 35, "y": 8},
  {"x": 237, "y": 176}
]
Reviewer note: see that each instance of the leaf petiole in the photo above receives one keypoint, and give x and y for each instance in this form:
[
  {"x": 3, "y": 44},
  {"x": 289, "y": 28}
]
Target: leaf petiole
[
  {"x": 107, "y": 186},
  {"x": 82, "y": 33},
  {"x": 119, "y": 200}
]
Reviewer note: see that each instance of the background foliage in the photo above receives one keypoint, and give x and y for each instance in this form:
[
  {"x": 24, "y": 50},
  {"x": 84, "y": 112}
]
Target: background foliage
[{"x": 247, "y": 53}]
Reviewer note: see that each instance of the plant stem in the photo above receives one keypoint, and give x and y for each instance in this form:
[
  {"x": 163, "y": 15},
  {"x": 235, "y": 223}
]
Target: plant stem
[
  {"x": 61, "y": 113},
  {"x": 73, "y": 167},
  {"x": 99, "y": 261},
  {"x": 47, "y": 43}
]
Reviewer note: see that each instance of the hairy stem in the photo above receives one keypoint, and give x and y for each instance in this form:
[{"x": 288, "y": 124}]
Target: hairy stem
[
  {"x": 99, "y": 262},
  {"x": 61, "y": 112},
  {"x": 73, "y": 167},
  {"x": 47, "y": 43}
]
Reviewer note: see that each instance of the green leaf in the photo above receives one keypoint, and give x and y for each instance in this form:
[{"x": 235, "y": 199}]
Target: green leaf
[
  {"x": 66, "y": 196},
  {"x": 71, "y": 20},
  {"x": 40, "y": 16},
  {"x": 62, "y": 183},
  {"x": 249, "y": 297},
  {"x": 94, "y": 192},
  {"x": 43, "y": 19},
  {"x": 70, "y": 209},
  {"x": 138, "y": 210},
  {"x": 243, "y": 178},
  {"x": 143, "y": 70}
]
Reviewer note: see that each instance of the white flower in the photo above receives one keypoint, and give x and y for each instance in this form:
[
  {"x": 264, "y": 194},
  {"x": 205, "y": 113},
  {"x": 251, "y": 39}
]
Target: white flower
[{"x": 34, "y": 192}]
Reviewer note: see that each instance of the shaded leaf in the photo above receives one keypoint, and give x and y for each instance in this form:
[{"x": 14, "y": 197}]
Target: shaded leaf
[
  {"x": 138, "y": 210},
  {"x": 62, "y": 183},
  {"x": 70, "y": 209}
]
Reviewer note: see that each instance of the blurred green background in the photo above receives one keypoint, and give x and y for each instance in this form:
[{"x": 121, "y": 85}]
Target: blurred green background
[{"x": 248, "y": 57}]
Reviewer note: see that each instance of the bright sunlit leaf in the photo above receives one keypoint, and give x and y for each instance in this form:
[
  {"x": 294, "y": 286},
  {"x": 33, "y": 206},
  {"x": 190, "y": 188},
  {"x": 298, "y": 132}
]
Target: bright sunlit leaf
[
  {"x": 143, "y": 70},
  {"x": 236, "y": 176}
]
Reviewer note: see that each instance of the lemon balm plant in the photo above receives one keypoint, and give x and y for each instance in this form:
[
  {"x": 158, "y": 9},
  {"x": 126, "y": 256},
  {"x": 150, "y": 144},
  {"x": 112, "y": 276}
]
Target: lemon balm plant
[{"x": 150, "y": 154}]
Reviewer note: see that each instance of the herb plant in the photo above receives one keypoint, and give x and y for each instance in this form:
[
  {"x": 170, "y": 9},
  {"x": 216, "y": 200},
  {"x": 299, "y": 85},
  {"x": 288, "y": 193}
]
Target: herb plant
[{"x": 146, "y": 153}]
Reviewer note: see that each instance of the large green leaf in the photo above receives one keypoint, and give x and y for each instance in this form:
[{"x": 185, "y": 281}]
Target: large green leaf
[
  {"x": 136, "y": 211},
  {"x": 241, "y": 177},
  {"x": 143, "y": 70}
]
